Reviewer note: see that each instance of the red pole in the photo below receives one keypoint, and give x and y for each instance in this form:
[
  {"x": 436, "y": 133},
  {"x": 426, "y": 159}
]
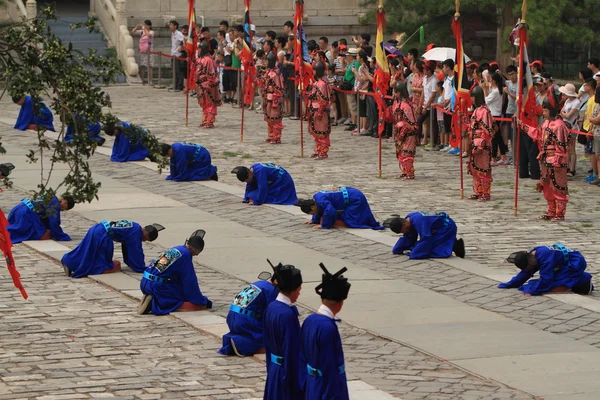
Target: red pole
[
  {"x": 460, "y": 157},
  {"x": 301, "y": 122},
  {"x": 243, "y": 107},
  {"x": 380, "y": 132},
  {"x": 519, "y": 112},
  {"x": 187, "y": 90}
]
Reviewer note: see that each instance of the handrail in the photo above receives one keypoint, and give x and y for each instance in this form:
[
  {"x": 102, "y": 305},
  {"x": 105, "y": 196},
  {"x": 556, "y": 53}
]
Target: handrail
[
  {"x": 112, "y": 11},
  {"x": 21, "y": 7}
]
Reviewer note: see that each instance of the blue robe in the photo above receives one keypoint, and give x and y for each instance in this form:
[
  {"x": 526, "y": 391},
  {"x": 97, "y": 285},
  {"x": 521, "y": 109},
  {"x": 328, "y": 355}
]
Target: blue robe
[
  {"x": 93, "y": 131},
  {"x": 322, "y": 351},
  {"x": 554, "y": 271},
  {"x": 190, "y": 162},
  {"x": 353, "y": 209},
  {"x": 128, "y": 149},
  {"x": 180, "y": 285},
  {"x": 27, "y": 224},
  {"x": 282, "y": 344},
  {"x": 430, "y": 236},
  {"x": 42, "y": 116},
  {"x": 271, "y": 185},
  {"x": 245, "y": 318},
  {"x": 94, "y": 254}
]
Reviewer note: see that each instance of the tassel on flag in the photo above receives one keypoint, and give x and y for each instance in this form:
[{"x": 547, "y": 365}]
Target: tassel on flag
[
  {"x": 247, "y": 58},
  {"x": 191, "y": 44},
  {"x": 527, "y": 112},
  {"x": 5, "y": 247},
  {"x": 381, "y": 78}
]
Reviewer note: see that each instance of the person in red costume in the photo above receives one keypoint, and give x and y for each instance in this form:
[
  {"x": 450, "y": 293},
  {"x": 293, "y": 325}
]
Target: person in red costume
[
  {"x": 320, "y": 96},
  {"x": 274, "y": 89},
  {"x": 207, "y": 86},
  {"x": 406, "y": 130}
]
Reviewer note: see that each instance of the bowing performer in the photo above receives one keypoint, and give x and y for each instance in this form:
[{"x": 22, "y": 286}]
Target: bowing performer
[
  {"x": 321, "y": 341},
  {"x": 339, "y": 207},
  {"x": 33, "y": 115},
  {"x": 426, "y": 235},
  {"x": 189, "y": 162},
  {"x": 267, "y": 183},
  {"x": 93, "y": 256},
  {"x": 170, "y": 283},
  {"x": 129, "y": 142}
]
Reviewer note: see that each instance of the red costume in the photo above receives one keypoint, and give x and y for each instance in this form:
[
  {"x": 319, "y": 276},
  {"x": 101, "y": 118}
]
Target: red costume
[
  {"x": 320, "y": 97},
  {"x": 406, "y": 131},
  {"x": 274, "y": 89},
  {"x": 553, "y": 138},
  {"x": 482, "y": 129},
  {"x": 207, "y": 87}
]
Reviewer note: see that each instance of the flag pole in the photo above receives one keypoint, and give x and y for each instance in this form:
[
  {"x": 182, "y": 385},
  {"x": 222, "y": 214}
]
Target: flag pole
[
  {"x": 187, "y": 89},
  {"x": 519, "y": 105},
  {"x": 243, "y": 108},
  {"x": 460, "y": 148},
  {"x": 379, "y": 139}
]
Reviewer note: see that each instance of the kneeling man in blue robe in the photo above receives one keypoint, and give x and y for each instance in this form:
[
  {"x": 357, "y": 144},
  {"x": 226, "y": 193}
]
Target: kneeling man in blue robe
[
  {"x": 170, "y": 281},
  {"x": 322, "y": 344},
  {"x": 286, "y": 373},
  {"x": 128, "y": 146},
  {"x": 189, "y": 162},
  {"x": 426, "y": 235},
  {"x": 561, "y": 270},
  {"x": 93, "y": 256},
  {"x": 267, "y": 184},
  {"x": 35, "y": 220},
  {"x": 92, "y": 129},
  {"x": 343, "y": 207},
  {"x": 245, "y": 319},
  {"x": 33, "y": 115}
]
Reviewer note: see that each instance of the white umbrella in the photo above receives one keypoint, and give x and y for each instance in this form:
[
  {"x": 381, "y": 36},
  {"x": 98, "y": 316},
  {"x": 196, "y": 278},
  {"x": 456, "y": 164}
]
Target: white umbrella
[{"x": 442, "y": 54}]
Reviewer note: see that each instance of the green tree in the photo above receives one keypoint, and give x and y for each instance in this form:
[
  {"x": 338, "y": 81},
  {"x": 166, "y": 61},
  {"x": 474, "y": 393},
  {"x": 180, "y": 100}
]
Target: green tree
[{"x": 33, "y": 61}]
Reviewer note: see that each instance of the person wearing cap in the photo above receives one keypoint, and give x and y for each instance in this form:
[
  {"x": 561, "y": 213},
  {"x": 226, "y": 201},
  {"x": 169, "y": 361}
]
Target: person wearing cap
[
  {"x": 245, "y": 319},
  {"x": 321, "y": 341},
  {"x": 561, "y": 270},
  {"x": 349, "y": 83},
  {"x": 189, "y": 162},
  {"x": 426, "y": 235},
  {"x": 406, "y": 131},
  {"x": 267, "y": 183},
  {"x": 339, "y": 207},
  {"x": 39, "y": 220},
  {"x": 570, "y": 115},
  {"x": 553, "y": 137},
  {"x": 33, "y": 115},
  {"x": 207, "y": 85},
  {"x": 481, "y": 131},
  {"x": 285, "y": 372},
  {"x": 93, "y": 256},
  {"x": 170, "y": 283},
  {"x": 537, "y": 67},
  {"x": 129, "y": 142},
  {"x": 274, "y": 89},
  {"x": 320, "y": 96}
]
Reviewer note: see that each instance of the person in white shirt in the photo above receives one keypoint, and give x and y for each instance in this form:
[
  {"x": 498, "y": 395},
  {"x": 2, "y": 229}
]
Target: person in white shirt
[
  {"x": 177, "y": 41},
  {"x": 429, "y": 91},
  {"x": 448, "y": 69},
  {"x": 511, "y": 93},
  {"x": 493, "y": 90},
  {"x": 570, "y": 115}
]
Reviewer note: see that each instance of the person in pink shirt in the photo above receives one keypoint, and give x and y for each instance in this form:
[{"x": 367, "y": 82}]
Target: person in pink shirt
[
  {"x": 482, "y": 130},
  {"x": 553, "y": 136},
  {"x": 146, "y": 34}
]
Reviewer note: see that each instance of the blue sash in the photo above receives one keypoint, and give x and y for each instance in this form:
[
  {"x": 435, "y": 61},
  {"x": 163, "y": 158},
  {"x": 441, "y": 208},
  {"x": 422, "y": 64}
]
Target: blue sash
[
  {"x": 275, "y": 359},
  {"x": 564, "y": 250},
  {"x": 345, "y": 195},
  {"x": 318, "y": 373},
  {"x": 108, "y": 228},
  {"x": 243, "y": 311},
  {"x": 155, "y": 278},
  {"x": 29, "y": 204}
]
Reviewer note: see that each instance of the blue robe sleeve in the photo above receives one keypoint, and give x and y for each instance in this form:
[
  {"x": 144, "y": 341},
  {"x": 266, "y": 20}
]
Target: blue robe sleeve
[
  {"x": 133, "y": 252},
  {"x": 54, "y": 223},
  {"x": 329, "y": 215},
  {"x": 406, "y": 242},
  {"x": 178, "y": 163},
  {"x": 191, "y": 289},
  {"x": 540, "y": 286},
  {"x": 421, "y": 226},
  {"x": 261, "y": 176},
  {"x": 25, "y": 117},
  {"x": 517, "y": 281}
]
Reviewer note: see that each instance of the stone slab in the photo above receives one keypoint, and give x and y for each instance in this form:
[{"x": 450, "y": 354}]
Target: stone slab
[
  {"x": 46, "y": 246},
  {"x": 118, "y": 281},
  {"x": 131, "y": 200}
]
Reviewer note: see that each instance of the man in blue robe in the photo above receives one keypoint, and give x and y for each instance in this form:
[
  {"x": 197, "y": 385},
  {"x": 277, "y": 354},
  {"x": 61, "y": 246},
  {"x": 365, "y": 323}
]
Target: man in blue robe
[
  {"x": 93, "y": 256},
  {"x": 245, "y": 319},
  {"x": 339, "y": 207},
  {"x": 426, "y": 235},
  {"x": 561, "y": 269},
  {"x": 267, "y": 184},
  {"x": 35, "y": 220},
  {"x": 93, "y": 130},
  {"x": 322, "y": 344},
  {"x": 129, "y": 142},
  {"x": 170, "y": 280},
  {"x": 33, "y": 115},
  {"x": 189, "y": 162},
  {"x": 286, "y": 373}
]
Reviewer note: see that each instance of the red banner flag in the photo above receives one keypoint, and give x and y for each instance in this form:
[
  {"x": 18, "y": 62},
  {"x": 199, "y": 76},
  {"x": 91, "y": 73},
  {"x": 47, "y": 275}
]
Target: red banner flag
[
  {"x": 381, "y": 78},
  {"x": 5, "y": 246},
  {"x": 303, "y": 68},
  {"x": 247, "y": 58}
]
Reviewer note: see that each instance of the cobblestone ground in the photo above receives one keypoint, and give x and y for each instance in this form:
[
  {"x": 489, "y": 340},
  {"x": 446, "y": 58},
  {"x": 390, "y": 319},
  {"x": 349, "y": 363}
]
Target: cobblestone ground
[{"x": 490, "y": 230}]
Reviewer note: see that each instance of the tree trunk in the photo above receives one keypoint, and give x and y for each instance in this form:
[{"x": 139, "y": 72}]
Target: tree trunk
[{"x": 505, "y": 19}]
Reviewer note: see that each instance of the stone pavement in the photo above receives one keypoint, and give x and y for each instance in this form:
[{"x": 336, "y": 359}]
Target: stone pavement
[{"x": 451, "y": 280}]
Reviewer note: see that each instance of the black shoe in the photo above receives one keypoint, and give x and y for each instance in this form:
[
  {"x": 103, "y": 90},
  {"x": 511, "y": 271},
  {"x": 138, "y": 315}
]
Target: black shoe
[
  {"x": 215, "y": 177},
  {"x": 101, "y": 141},
  {"x": 350, "y": 128},
  {"x": 459, "y": 248}
]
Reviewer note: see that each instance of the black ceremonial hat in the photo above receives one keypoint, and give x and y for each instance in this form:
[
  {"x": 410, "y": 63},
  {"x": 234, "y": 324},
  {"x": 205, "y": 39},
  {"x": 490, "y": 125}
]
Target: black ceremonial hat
[
  {"x": 394, "y": 223},
  {"x": 287, "y": 277},
  {"x": 333, "y": 287}
]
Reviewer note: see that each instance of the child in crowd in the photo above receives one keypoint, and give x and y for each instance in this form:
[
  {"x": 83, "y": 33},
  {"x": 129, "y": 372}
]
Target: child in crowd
[
  {"x": 334, "y": 82},
  {"x": 444, "y": 139}
]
